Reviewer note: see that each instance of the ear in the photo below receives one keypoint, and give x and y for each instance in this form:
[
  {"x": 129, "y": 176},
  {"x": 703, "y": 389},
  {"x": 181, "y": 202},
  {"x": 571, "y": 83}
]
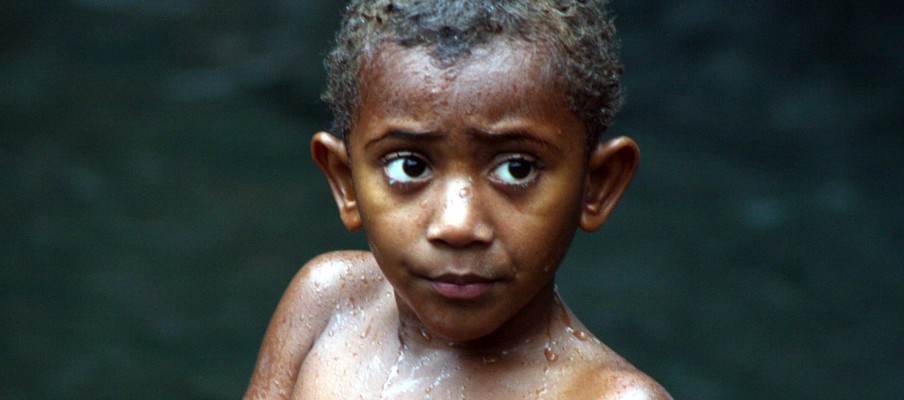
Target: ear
[
  {"x": 329, "y": 153},
  {"x": 610, "y": 168}
]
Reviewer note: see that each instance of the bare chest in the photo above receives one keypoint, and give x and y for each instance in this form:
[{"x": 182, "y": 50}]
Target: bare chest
[{"x": 377, "y": 366}]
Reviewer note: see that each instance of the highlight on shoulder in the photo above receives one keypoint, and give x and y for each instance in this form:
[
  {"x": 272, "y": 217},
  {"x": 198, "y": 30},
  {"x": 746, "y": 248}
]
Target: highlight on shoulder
[
  {"x": 302, "y": 315},
  {"x": 337, "y": 269},
  {"x": 634, "y": 385},
  {"x": 617, "y": 382},
  {"x": 325, "y": 281}
]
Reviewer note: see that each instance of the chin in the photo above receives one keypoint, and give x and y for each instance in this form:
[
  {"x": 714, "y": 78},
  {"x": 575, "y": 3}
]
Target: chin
[{"x": 466, "y": 330}]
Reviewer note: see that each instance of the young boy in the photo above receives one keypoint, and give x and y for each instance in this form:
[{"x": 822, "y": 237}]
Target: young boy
[{"x": 470, "y": 152}]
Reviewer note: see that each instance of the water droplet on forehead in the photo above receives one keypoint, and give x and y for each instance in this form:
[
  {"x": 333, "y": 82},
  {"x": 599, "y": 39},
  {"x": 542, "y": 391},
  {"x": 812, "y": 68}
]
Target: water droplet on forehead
[
  {"x": 464, "y": 192},
  {"x": 450, "y": 74}
]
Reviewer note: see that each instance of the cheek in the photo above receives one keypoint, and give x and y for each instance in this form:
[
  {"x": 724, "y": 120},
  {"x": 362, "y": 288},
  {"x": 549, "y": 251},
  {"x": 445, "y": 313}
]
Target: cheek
[
  {"x": 389, "y": 222},
  {"x": 542, "y": 237}
]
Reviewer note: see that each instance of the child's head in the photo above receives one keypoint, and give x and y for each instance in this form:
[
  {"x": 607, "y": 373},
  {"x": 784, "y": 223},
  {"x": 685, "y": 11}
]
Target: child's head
[
  {"x": 466, "y": 122},
  {"x": 578, "y": 35}
]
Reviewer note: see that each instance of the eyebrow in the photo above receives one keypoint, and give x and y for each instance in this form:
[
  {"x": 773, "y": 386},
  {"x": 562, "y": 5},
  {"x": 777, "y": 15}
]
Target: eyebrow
[
  {"x": 408, "y": 136},
  {"x": 522, "y": 136},
  {"x": 485, "y": 136}
]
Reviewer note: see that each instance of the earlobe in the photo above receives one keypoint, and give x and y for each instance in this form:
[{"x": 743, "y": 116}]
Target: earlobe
[
  {"x": 330, "y": 155},
  {"x": 610, "y": 168}
]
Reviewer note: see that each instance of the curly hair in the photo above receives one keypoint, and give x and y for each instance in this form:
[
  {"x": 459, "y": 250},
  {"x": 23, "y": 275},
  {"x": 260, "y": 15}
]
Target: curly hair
[{"x": 579, "y": 33}]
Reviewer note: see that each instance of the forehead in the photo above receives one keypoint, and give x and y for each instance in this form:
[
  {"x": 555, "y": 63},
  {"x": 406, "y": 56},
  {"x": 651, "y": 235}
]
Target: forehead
[{"x": 496, "y": 81}]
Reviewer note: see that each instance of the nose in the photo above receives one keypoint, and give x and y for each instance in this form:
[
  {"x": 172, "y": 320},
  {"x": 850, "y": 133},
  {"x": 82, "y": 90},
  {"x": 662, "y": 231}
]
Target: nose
[{"x": 459, "y": 218}]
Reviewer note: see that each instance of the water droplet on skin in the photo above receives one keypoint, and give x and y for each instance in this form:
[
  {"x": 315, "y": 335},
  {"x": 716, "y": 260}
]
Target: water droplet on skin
[
  {"x": 489, "y": 359},
  {"x": 581, "y": 335},
  {"x": 550, "y": 355},
  {"x": 565, "y": 318},
  {"x": 428, "y": 389},
  {"x": 464, "y": 192},
  {"x": 425, "y": 335},
  {"x": 542, "y": 390},
  {"x": 450, "y": 75}
]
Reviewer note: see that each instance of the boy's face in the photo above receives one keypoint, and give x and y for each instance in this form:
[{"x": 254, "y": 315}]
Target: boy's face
[{"x": 469, "y": 181}]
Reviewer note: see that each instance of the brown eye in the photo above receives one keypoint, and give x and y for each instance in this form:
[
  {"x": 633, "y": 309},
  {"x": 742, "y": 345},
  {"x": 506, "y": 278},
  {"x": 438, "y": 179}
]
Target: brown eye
[
  {"x": 413, "y": 167},
  {"x": 519, "y": 169},
  {"x": 406, "y": 167},
  {"x": 516, "y": 169}
]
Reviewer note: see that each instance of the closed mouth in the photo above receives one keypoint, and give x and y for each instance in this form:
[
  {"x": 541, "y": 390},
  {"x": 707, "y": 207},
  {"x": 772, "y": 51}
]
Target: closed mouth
[
  {"x": 462, "y": 287},
  {"x": 465, "y": 279}
]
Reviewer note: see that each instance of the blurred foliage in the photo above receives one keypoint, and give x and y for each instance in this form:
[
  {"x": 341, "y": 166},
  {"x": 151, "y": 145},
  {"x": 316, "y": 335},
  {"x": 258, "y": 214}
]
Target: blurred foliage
[{"x": 158, "y": 195}]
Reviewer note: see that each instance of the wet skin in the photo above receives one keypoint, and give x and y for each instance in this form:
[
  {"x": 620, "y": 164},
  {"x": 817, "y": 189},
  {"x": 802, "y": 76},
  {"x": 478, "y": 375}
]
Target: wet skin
[
  {"x": 469, "y": 214},
  {"x": 469, "y": 182}
]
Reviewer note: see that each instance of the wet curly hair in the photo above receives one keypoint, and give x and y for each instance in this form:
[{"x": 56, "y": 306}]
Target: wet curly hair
[{"x": 579, "y": 34}]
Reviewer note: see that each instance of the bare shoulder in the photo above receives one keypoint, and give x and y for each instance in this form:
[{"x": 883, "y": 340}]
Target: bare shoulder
[
  {"x": 630, "y": 384},
  {"x": 611, "y": 377},
  {"x": 302, "y": 315}
]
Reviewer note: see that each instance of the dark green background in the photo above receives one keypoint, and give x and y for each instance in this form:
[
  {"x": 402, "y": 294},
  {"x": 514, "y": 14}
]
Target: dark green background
[{"x": 157, "y": 195}]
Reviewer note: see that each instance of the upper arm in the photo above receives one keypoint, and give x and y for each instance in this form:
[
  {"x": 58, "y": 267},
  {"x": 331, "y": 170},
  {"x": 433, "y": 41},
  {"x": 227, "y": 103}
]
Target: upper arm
[{"x": 301, "y": 316}]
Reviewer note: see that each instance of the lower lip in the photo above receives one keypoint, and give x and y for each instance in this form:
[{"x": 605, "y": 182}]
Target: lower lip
[{"x": 461, "y": 291}]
